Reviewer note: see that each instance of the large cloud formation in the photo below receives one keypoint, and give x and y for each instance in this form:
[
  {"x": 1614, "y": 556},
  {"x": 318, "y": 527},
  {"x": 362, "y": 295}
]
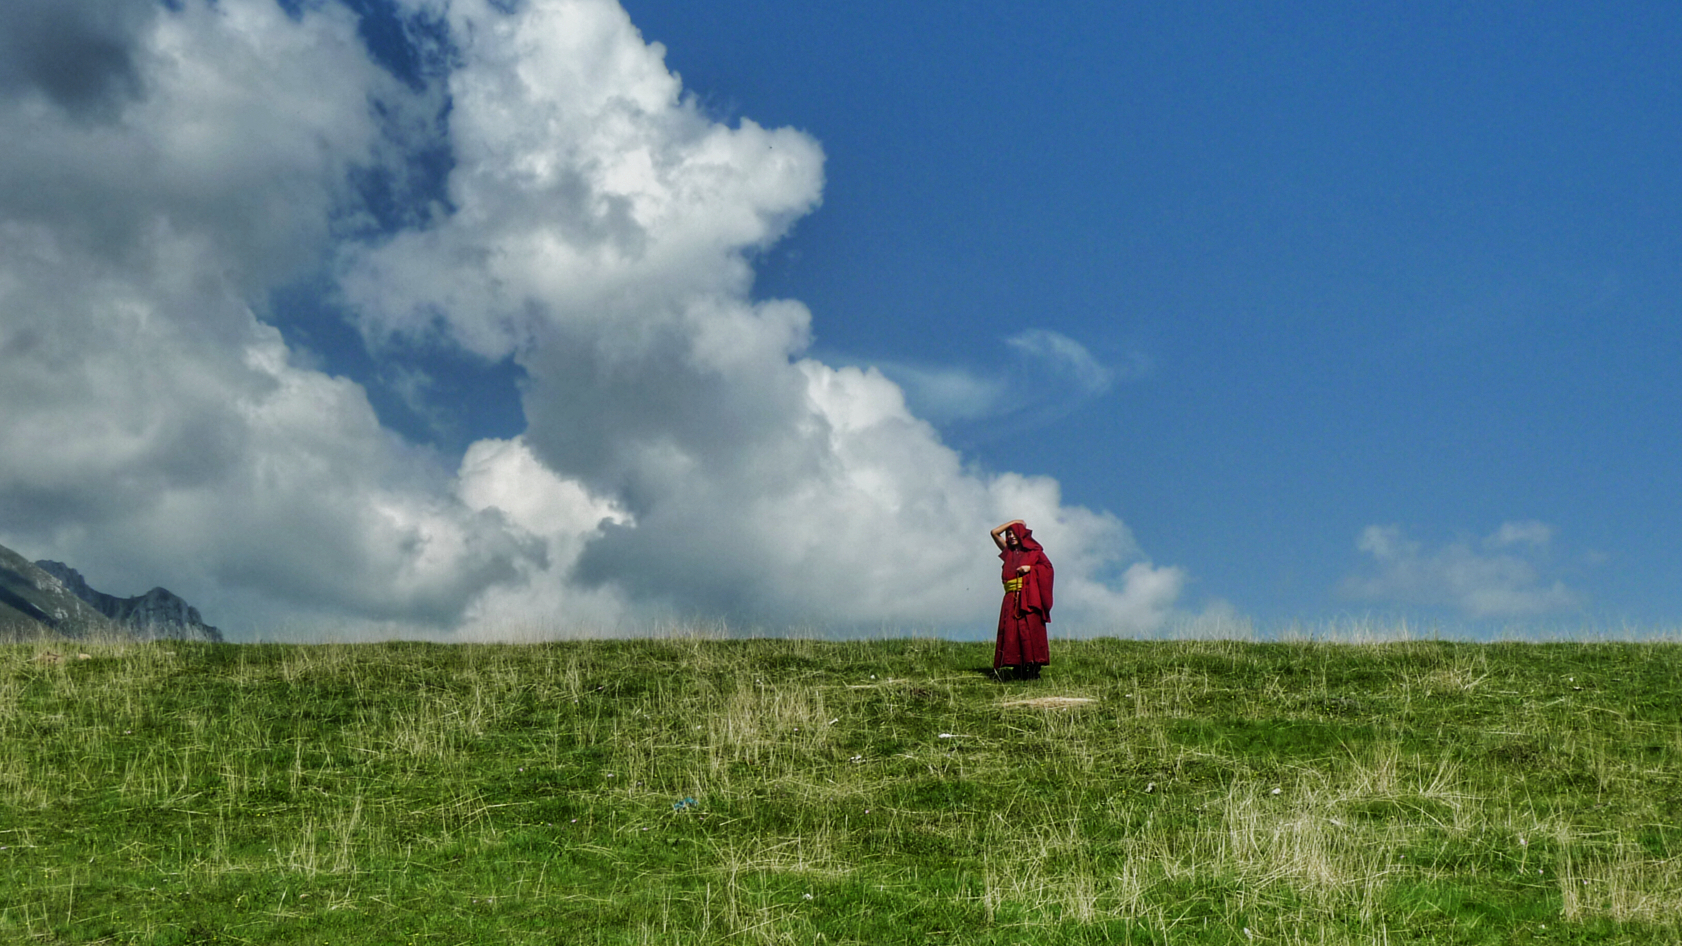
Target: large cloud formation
[
  {"x": 151, "y": 423},
  {"x": 682, "y": 459}
]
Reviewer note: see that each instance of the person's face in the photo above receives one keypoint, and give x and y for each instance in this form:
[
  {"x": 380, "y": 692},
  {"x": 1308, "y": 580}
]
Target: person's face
[{"x": 1010, "y": 538}]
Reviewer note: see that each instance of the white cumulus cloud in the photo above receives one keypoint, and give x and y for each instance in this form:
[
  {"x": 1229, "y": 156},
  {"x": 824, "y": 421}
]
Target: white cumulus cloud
[
  {"x": 153, "y": 429},
  {"x": 684, "y": 455},
  {"x": 602, "y": 235}
]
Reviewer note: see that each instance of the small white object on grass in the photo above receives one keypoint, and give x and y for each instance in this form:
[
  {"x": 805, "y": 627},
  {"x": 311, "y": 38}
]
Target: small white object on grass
[{"x": 1276, "y": 791}]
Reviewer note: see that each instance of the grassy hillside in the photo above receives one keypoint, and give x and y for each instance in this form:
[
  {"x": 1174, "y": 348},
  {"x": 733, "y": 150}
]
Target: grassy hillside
[{"x": 688, "y": 791}]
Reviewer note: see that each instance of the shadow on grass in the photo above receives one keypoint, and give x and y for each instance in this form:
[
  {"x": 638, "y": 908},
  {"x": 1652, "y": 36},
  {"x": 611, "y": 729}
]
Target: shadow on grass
[{"x": 1005, "y": 675}]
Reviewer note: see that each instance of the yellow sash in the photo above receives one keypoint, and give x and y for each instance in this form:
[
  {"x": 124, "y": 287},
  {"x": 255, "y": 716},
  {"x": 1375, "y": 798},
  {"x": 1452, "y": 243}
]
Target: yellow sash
[{"x": 1013, "y": 584}]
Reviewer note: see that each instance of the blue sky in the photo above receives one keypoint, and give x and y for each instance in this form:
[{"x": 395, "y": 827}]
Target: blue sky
[
  {"x": 1400, "y": 263},
  {"x": 468, "y": 319}
]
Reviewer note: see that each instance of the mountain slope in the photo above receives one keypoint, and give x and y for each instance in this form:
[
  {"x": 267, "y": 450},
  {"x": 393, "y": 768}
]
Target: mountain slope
[
  {"x": 157, "y": 613},
  {"x": 32, "y": 601},
  {"x": 45, "y": 597}
]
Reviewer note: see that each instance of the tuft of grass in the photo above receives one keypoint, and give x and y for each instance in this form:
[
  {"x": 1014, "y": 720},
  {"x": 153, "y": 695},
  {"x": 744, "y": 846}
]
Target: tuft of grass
[{"x": 704, "y": 790}]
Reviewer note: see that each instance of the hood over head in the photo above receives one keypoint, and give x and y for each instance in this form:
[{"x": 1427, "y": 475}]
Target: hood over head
[{"x": 1025, "y": 538}]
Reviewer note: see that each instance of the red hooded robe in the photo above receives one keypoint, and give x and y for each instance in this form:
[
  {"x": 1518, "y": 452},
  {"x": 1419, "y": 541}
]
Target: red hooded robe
[{"x": 1024, "y": 614}]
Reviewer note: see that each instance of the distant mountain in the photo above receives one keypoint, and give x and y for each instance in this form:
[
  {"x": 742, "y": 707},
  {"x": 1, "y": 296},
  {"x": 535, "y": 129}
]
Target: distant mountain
[
  {"x": 53, "y": 597},
  {"x": 33, "y": 601}
]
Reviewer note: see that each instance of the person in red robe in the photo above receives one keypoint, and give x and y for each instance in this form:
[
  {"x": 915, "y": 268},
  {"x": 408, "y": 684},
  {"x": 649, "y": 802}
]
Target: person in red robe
[{"x": 1026, "y": 610}]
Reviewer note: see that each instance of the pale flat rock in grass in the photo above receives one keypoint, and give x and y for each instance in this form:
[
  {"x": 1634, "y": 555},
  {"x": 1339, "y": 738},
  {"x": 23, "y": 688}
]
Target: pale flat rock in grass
[
  {"x": 1051, "y": 702},
  {"x": 50, "y": 657}
]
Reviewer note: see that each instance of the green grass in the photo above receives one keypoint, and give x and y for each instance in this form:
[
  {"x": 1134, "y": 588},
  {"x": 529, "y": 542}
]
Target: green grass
[{"x": 843, "y": 792}]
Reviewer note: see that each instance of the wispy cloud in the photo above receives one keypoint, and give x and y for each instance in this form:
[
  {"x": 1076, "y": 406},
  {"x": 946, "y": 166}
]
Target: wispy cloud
[
  {"x": 1043, "y": 374},
  {"x": 947, "y": 393},
  {"x": 1530, "y": 533},
  {"x": 1500, "y": 576},
  {"x": 1056, "y": 352}
]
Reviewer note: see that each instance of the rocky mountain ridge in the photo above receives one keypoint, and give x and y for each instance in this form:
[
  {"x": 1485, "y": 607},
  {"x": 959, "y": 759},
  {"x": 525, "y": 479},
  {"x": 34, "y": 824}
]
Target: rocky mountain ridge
[{"x": 51, "y": 597}]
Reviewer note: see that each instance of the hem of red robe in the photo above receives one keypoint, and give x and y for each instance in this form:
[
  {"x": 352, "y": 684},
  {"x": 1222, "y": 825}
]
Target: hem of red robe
[{"x": 1021, "y": 640}]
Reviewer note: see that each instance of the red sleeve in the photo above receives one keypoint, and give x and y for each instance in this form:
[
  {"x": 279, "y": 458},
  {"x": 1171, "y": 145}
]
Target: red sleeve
[{"x": 1036, "y": 585}]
